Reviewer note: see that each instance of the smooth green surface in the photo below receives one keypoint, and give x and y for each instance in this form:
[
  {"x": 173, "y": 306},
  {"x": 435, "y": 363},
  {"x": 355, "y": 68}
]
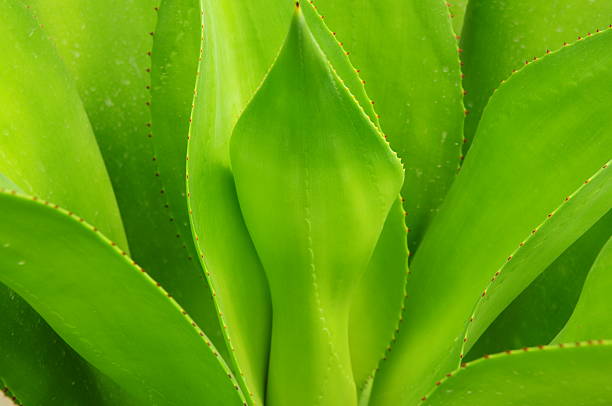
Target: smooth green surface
[
  {"x": 105, "y": 46},
  {"x": 543, "y": 134},
  {"x": 407, "y": 54},
  {"x": 576, "y": 375},
  {"x": 311, "y": 172},
  {"x": 107, "y": 308},
  {"x": 592, "y": 316},
  {"x": 176, "y": 50},
  {"x": 568, "y": 221},
  {"x": 554, "y": 294},
  {"x": 377, "y": 300},
  {"x": 40, "y": 368},
  {"x": 501, "y": 35},
  {"x": 37, "y": 366},
  {"x": 46, "y": 143},
  {"x": 240, "y": 44}
]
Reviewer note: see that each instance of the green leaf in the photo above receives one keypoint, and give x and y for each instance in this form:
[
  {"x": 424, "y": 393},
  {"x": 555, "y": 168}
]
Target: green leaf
[
  {"x": 546, "y": 242},
  {"x": 40, "y": 368},
  {"x": 377, "y": 301},
  {"x": 175, "y": 60},
  {"x": 312, "y": 172},
  {"x": 107, "y": 46},
  {"x": 577, "y": 374},
  {"x": 543, "y": 134},
  {"x": 591, "y": 316},
  {"x": 554, "y": 294},
  {"x": 240, "y": 43},
  {"x": 501, "y": 36},
  {"x": 107, "y": 308},
  {"x": 407, "y": 54},
  {"x": 46, "y": 143}
]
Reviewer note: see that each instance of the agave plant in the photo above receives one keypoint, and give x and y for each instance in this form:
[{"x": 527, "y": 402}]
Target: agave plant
[{"x": 248, "y": 242}]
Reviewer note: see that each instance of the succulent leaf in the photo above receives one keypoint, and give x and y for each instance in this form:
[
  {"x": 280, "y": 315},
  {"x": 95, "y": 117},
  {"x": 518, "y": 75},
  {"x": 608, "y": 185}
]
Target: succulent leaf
[
  {"x": 54, "y": 155},
  {"x": 538, "y": 314},
  {"x": 106, "y": 46},
  {"x": 174, "y": 63},
  {"x": 311, "y": 172},
  {"x": 543, "y": 134},
  {"x": 502, "y": 36},
  {"x": 378, "y": 298},
  {"x": 408, "y": 58},
  {"x": 574, "y": 374},
  {"x": 107, "y": 308}
]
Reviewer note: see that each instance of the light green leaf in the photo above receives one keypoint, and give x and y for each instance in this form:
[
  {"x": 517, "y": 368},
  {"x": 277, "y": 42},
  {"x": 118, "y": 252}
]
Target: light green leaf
[
  {"x": 312, "y": 173},
  {"x": 592, "y": 315},
  {"x": 46, "y": 143},
  {"x": 175, "y": 60},
  {"x": 377, "y": 300},
  {"x": 240, "y": 43},
  {"x": 107, "y": 308},
  {"x": 407, "y": 54},
  {"x": 543, "y": 134},
  {"x": 106, "y": 46},
  {"x": 41, "y": 369},
  {"x": 571, "y": 219},
  {"x": 501, "y": 36},
  {"x": 554, "y": 294},
  {"x": 577, "y": 374}
]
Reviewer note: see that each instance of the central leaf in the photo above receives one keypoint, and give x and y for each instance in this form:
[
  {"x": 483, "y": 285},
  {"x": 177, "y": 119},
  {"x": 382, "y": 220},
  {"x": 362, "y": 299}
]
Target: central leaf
[{"x": 315, "y": 182}]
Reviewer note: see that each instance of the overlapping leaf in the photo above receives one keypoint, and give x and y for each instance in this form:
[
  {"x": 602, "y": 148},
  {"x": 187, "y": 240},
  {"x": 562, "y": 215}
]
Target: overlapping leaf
[
  {"x": 311, "y": 172},
  {"x": 407, "y": 54},
  {"x": 543, "y": 134},
  {"x": 107, "y": 308},
  {"x": 576, "y": 375},
  {"x": 501, "y": 36}
]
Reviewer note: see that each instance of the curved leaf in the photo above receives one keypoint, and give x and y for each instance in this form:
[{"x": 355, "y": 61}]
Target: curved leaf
[
  {"x": 407, "y": 54},
  {"x": 378, "y": 298},
  {"x": 591, "y": 316},
  {"x": 312, "y": 172},
  {"x": 538, "y": 314},
  {"x": 46, "y": 143},
  {"x": 107, "y": 308},
  {"x": 174, "y": 63},
  {"x": 106, "y": 45},
  {"x": 544, "y": 132},
  {"x": 576, "y": 374},
  {"x": 240, "y": 44},
  {"x": 501, "y": 36}
]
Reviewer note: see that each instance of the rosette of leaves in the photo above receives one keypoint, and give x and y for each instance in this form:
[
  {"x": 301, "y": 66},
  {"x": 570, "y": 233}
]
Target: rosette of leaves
[{"x": 217, "y": 202}]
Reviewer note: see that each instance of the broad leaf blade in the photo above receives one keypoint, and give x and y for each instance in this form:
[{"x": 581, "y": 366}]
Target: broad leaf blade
[
  {"x": 312, "y": 172},
  {"x": 591, "y": 316},
  {"x": 575, "y": 375},
  {"x": 573, "y": 218},
  {"x": 106, "y": 45},
  {"x": 544, "y": 133},
  {"x": 407, "y": 54},
  {"x": 46, "y": 143},
  {"x": 554, "y": 294},
  {"x": 501, "y": 36},
  {"x": 107, "y": 308}
]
